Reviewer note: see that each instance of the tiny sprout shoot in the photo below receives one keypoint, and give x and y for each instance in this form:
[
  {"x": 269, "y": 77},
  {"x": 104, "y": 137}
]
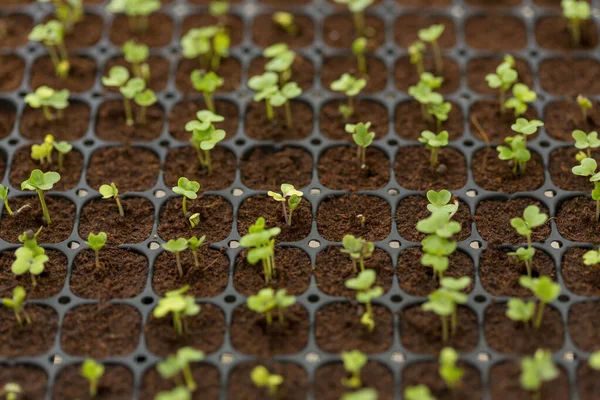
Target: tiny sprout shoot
[
  {"x": 4, "y": 197},
  {"x": 286, "y": 22},
  {"x": 11, "y": 391},
  {"x": 47, "y": 99},
  {"x": 594, "y": 361},
  {"x": 362, "y": 138},
  {"x": 358, "y": 249},
  {"x": 585, "y": 105},
  {"x": 68, "y": 12},
  {"x": 575, "y": 11},
  {"x": 281, "y": 59},
  {"x": 43, "y": 152},
  {"x": 96, "y": 243},
  {"x": 52, "y": 35},
  {"x": 357, "y": 8},
  {"x": 536, "y": 370},
  {"x": 63, "y": 148},
  {"x": 178, "y": 393},
  {"x": 207, "y": 83},
  {"x": 431, "y": 35},
  {"x": 503, "y": 79},
  {"x": 362, "y": 394},
  {"x": 516, "y": 152},
  {"x": 424, "y": 93},
  {"x": 265, "y": 86},
  {"x": 587, "y": 167},
  {"x": 351, "y": 87},
  {"x": 210, "y": 44},
  {"x": 137, "y": 12},
  {"x": 267, "y": 300},
  {"x": 144, "y": 99},
  {"x": 586, "y": 141},
  {"x": 262, "y": 378},
  {"x": 437, "y": 246},
  {"x": 415, "y": 51},
  {"x": 119, "y": 77},
  {"x": 444, "y": 302},
  {"x": 110, "y": 192},
  {"x": 353, "y": 361},
  {"x": 40, "y": 181},
  {"x": 205, "y": 136},
  {"x": 439, "y": 224},
  {"x": 219, "y": 9},
  {"x": 440, "y": 112},
  {"x": 532, "y": 218},
  {"x": 92, "y": 371},
  {"x": 520, "y": 311},
  {"x": 449, "y": 371},
  {"x": 440, "y": 201},
  {"x": 545, "y": 290},
  {"x": 522, "y": 95},
  {"x": 137, "y": 54},
  {"x": 434, "y": 143},
  {"x": 176, "y": 247},
  {"x": 591, "y": 257},
  {"x": 261, "y": 242},
  {"x": 30, "y": 260},
  {"x": 16, "y": 304},
  {"x": 359, "y": 46},
  {"x": 365, "y": 293},
  {"x": 418, "y": 392},
  {"x": 178, "y": 365},
  {"x": 290, "y": 196},
  {"x": 178, "y": 304},
  {"x": 194, "y": 244},
  {"x": 282, "y": 97},
  {"x": 526, "y": 127},
  {"x": 188, "y": 189}
]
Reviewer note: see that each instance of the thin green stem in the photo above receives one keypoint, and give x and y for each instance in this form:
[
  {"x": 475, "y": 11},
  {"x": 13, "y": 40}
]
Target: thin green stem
[
  {"x": 33, "y": 281},
  {"x": 7, "y": 207},
  {"x": 120, "y": 206},
  {"x": 184, "y": 207},
  {"x": 178, "y": 261},
  {"x": 47, "y": 113},
  {"x": 44, "y": 207},
  {"x": 270, "y": 113},
  {"x": 540, "y": 314},
  {"x": 362, "y": 64},
  {"x": 97, "y": 256},
  {"x": 208, "y": 161},
  {"x": 359, "y": 23},
  {"x": 128, "y": 112},
  {"x": 61, "y": 157},
  {"x": 177, "y": 324},
  {"x": 189, "y": 379},
  {"x": 437, "y": 55},
  {"x": 208, "y": 99}
]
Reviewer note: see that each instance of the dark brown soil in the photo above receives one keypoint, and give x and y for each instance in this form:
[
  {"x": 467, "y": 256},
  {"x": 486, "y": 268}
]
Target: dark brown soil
[
  {"x": 159, "y": 71},
  {"x": 479, "y": 67},
  {"x": 413, "y": 209},
  {"x": 424, "y": 3},
  {"x": 583, "y": 325},
  {"x": 406, "y": 75},
  {"x": 494, "y": 3},
  {"x": 111, "y": 123},
  {"x": 160, "y": 30},
  {"x": 49, "y": 283},
  {"x": 563, "y": 117},
  {"x": 186, "y": 110},
  {"x": 496, "y": 175},
  {"x": 30, "y": 339},
  {"x": 328, "y": 380},
  {"x": 233, "y": 24},
  {"x": 335, "y": 66},
  {"x": 338, "y": 328},
  {"x": 62, "y": 213},
  {"x": 500, "y": 273},
  {"x": 259, "y": 127},
  {"x": 250, "y": 333},
  {"x": 421, "y": 331},
  {"x": 504, "y": 384},
  {"x": 363, "y": 216},
  {"x": 588, "y": 382},
  {"x": 122, "y": 275},
  {"x": 562, "y": 161},
  {"x": 115, "y": 384},
  {"x": 427, "y": 373},
  {"x": 407, "y": 27},
  {"x": 414, "y": 172},
  {"x": 576, "y": 220},
  {"x": 263, "y": 206},
  {"x": 497, "y": 126},
  {"x": 419, "y": 280},
  {"x": 332, "y": 124},
  {"x": 265, "y": 32},
  {"x": 303, "y": 70},
  {"x": 130, "y": 168},
  {"x": 340, "y": 169},
  {"x": 183, "y": 161},
  {"x": 86, "y": 32},
  {"x": 264, "y": 168},
  {"x": 116, "y": 327},
  {"x": 23, "y": 164},
  {"x": 8, "y": 116},
  {"x": 579, "y": 278},
  {"x": 32, "y": 379},
  {"x": 216, "y": 216},
  {"x": 12, "y": 70},
  {"x": 72, "y": 126},
  {"x": 206, "y": 377},
  {"x": 204, "y": 330},
  {"x": 230, "y": 70},
  {"x": 81, "y": 75},
  {"x": 570, "y": 76},
  {"x": 208, "y": 280},
  {"x": 493, "y": 221},
  {"x": 333, "y": 268},
  {"x": 294, "y": 386},
  {"x": 18, "y": 27},
  {"x": 339, "y": 32},
  {"x": 495, "y": 33},
  {"x": 552, "y": 33},
  {"x": 409, "y": 122}
]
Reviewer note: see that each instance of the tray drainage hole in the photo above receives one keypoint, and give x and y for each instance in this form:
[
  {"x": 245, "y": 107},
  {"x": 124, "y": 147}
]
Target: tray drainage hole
[
  {"x": 475, "y": 244},
  {"x": 312, "y": 357},
  {"x": 556, "y": 244},
  {"x": 394, "y": 244},
  {"x": 483, "y": 357},
  {"x": 234, "y": 244},
  {"x": 393, "y": 142},
  {"x": 240, "y": 142},
  {"x": 315, "y": 142},
  {"x": 315, "y": 244},
  {"x": 147, "y": 300},
  {"x": 313, "y": 298},
  {"x": 227, "y": 358},
  {"x": 159, "y": 194},
  {"x": 13, "y": 142},
  {"x": 549, "y": 193},
  {"x": 64, "y": 300},
  {"x": 480, "y": 298},
  {"x": 237, "y": 192},
  {"x": 398, "y": 357},
  {"x": 153, "y": 246},
  {"x": 82, "y": 193},
  {"x": 56, "y": 359},
  {"x": 569, "y": 356},
  {"x": 140, "y": 359},
  {"x": 393, "y": 192},
  {"x": 230, "y": 299},
  {"x": 315, "y": 192},
  {"x": 544, "y": 144},
  {"x": 469, "y": 143},
  {"x": 563, "y": 298},
  {"x": 396, "y": 298},
  {"x": 472, "y": 193},
  {"x": 73, "y": 245}
]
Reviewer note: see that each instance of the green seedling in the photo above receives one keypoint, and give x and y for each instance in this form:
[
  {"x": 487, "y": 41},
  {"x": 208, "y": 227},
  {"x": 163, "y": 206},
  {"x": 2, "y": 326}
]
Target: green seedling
[
  {"x": 357, "y": 8},
  {"x": 63, "y": 148},
  {"x": 16, "y": 304},
  {"x": 52, "y": 35},
  {"x": 520, "y": 311},
  {"x": 96, "y": 243},
  {"x": 282, "y": 97},
  {"x": 418, "y": 392},
  {"x": 434, "y": 143},
  {"x": 11, "y": 391},
  {"x": 4, "y": 197},
  {"x": 439, "y": 224},
  {"x": 365, "y": 294},
  {"x": 207, "y": 83},
  {"x": 219, "y": 9},
  {"x": 137, "y": 55},
  {"x": 29, "y": 260},
  {"x": 516, "y": 152},
  {"x": 416, "y": 50},
  {"x": 585, "y": 105},
  {"x": 424, "y": 93},
  {"x": 179, "y": 393},
  {"x": 362, "y": 138},
  {"x": 194, "y": 244},
  {"x": 130, "y": 88},
  {"x": 437, "y": 246},
  {"x": 262, "y": 378},
  {"x": 440, "y": 113},
  {"x": 351, "y": 87},
  {"x": 39, "y": 182},
  {"x": 444, "y": 302},
  {"x": 178, "y": 304},
  {"x": 526, "y": 127},
  {"x": 47, "y": 99},
  {"x": 92, "y": 371},
  {"x": 587, "y": 167},
  {"x": 522, "y": 95},
  {"x": 591, "y": 257},
  {"x": 440, "y": 201},
  {"x": 205, "y": 136},
  {"x": 359, "y": 46},
  {"x": 358, "y": 249},
  {"x": 536, "y": 370},
  {"x": 362, "y": 394},
  {"x": 545, "y": 290},
  {"x": 532, "y": 218},
  {"x": 594, "y": 361},
  {"x": 261, "y": 242},
  {"x": 144, "y": 99},
  {"x": 137, "y": 12},
  {"x": 434, "y": 82},
  {"x": 267, "y": 300},
  {"x": 431, "y": 35},
  {"x": 43, "y": 152},
  {"x": 586, "y": 141},
  {"x": 178, "y": 365},
  {"x": 285, "y": 21},
  {"x": 281, "y": 59},
  {"x": 210, "y": 44},
  {"x": 290, "y": 196},
  {"x": 189, "y": 190},
  {"x": 176, "y": 246},
  {"x": 265, "y": 86},
  {"x": 449, "y": 371},
  {"x": 68, "y": 12},
  {"x": 111, "y": 192},
  {"x": 503, "y": 79},
  {"x": 526, "y": 255},
  {"x": 575, "y": 11},
  {"x": 353, "y": 361}
]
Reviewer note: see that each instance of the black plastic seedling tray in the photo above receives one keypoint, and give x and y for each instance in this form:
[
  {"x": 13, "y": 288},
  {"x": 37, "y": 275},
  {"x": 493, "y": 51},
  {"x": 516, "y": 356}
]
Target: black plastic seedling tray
[{"x": 396, "y": 358}]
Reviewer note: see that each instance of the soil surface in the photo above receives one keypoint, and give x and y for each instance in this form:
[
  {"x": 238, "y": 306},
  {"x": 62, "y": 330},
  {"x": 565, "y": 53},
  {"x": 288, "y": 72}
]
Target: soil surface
[
  {"x": 12, "y": 71},
  {"x": 552, "y": 33},
  {"x": 81, "y": 75},
  {"x": 576, "y": 220},
  {"x": 504, "y": 384},
  {"x": 32, "y": 379},
  {"x": 265, "y": 32},
  {"x": 158, "y": 34},
  {"x": 85, "y": 33},
  {"x": 111, "y": 124},
  {"x": 409, "y": 122},
  {"x": 115, "y": 384},
  {"x": 18, "y": 27},
  {"x": 294, "y": 386},
  {"x": 588, "y": 382},
  {"x": 414, "y": 171},
  {"x": 335, "y": 66},
  {"x": 583, "y": 326},
  {"x": 205, "y": 376},
  {"x": 265, "y": 168},
  {"x": 495, "y": 33},
  {"x": 561, "y": 118},
  {"x": 333, "y": 125},
  {"x": 339, "y": 31},
  {"x": 8, "y": 116},
  {"x": 31, "y": 339},
  {"x": 479, "y": 67},
  {"x": 485, "y": 115},
  {"x": 427, "y": 373},
  {"x": 570, "y": 76},
  {"x": 49, "y": 282},
  {"x": 72, "y": 126},
  {"x": 185, "y": 111},
  {"x": 328, "y": 380},
  {"x": 340, "y": 169},
  {"x": 579, "y": 278},
  {"x": 494, "y": 174},
  {"x": 259, "y": 127},
  {"x": 303, "y": 70},
  {"x": 406, "y": 74}
]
